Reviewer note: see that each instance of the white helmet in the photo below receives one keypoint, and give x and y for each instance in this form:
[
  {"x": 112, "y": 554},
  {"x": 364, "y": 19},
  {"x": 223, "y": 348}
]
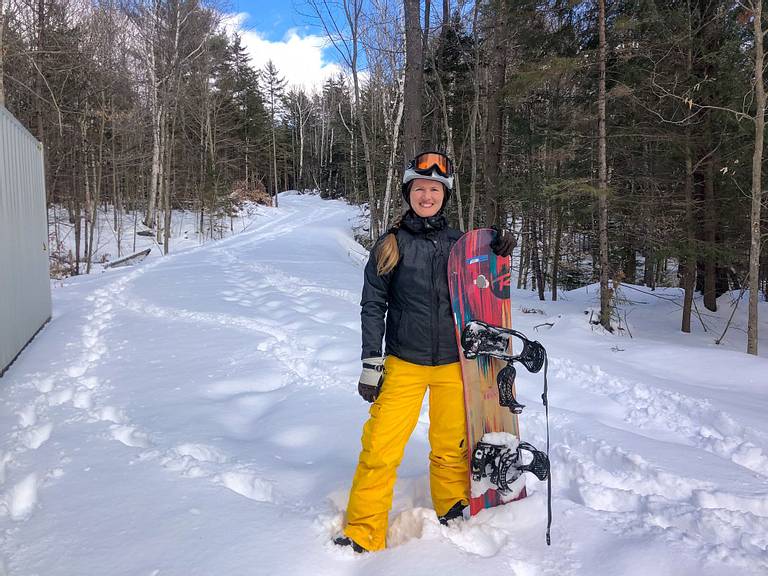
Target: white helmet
[{"x": 429, "y": 166}]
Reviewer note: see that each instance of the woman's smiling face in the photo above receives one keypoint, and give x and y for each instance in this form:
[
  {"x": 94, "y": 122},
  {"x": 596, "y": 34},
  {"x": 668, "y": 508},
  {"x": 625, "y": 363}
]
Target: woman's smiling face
[{"x": 426, "y": 197}]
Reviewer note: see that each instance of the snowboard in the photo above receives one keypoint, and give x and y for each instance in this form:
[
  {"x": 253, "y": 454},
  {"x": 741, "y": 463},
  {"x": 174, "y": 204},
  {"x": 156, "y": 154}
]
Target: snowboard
[{"x": 479, "y": 284}]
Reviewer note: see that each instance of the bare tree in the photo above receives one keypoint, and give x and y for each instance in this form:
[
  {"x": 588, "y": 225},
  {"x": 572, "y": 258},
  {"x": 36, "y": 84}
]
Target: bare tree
[
  {"x": 345, "y": 37},
  {"x": 756, "y": 8},
  {"x": 443, "y": 102},
  {"x": 170, "y": 42},
  {"x": 4, "y": 9},
  {"x": 495, "y": 116},
  {"x": 274, "y": 85},
  {"x": 473, "y": 118},
  {"x": 303, "y": 109},
  {"x": 414, "y": 79},
  {"x": 386, "y": 52},
  {"x": 602, "y": 183}
]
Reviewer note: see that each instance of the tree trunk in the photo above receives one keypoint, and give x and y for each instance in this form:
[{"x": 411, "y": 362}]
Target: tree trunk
[
  {"x": 167, "y": 221},
  {"x": 39, "y": 77},
  {"x": 375, "y": 222},
  {"x": 414, "y": 79},
  {"x": 757, "y": 181},
  {"x": 202, "y": 176},
  {"x": 710, "y": 237},
  {"x": 386, "y": 208},
  {"x": 78, "y": 233},
  {"x": 96, "y": 171},
  {"x": 630, "y": 262},
  {"x": 523, "y": 261},
  {"x": 689, "y": 259},
  {"x": 2, "y": 51},
  {"x": 473, "y": 122},
  {"x": 556, "y": 254},
  {"x": 157, "y": 118},
  {"x": 495, "y": 115},
  {"x": 302, "y": 120},
  {"x": 162, "y": 152},
  {"x": 605, "y": 291},
  {"x": 274, "y": 157},
  {"x": 535, "y": 262},
  {"x": 117, "y": 203},
  {"x": 649, "y": 268},
  {"x": 449, "y": 143}
]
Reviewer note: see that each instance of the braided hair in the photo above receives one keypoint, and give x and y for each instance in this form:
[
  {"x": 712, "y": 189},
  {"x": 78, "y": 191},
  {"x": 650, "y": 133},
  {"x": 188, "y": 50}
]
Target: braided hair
[{"x": 388, "y": 254}]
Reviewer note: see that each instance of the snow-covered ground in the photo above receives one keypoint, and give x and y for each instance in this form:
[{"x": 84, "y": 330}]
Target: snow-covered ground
[
  {"x": 112, "y": 242},
  {"x": 198, "y": 415}
]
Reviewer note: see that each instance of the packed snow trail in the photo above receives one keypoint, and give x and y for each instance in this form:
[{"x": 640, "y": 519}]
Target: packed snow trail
[{"x": 198, "y": 415}]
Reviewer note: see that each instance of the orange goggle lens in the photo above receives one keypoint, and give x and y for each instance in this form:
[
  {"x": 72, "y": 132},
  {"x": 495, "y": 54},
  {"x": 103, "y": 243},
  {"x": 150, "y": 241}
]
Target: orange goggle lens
[{"x": 433, "y": 160}]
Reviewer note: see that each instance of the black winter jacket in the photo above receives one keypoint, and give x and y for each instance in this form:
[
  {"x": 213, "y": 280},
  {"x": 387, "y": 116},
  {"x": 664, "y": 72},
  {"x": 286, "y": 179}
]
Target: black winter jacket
[{"x": 414, "y": 296}]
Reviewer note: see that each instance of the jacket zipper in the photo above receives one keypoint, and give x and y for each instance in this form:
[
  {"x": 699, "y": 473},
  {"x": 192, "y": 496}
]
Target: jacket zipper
[{"x": 435, "y": 306}]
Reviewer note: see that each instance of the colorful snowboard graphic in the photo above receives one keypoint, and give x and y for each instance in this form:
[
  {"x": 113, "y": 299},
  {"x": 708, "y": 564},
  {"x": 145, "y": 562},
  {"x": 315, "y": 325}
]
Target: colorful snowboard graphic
[{"x": 479, "y": 282}]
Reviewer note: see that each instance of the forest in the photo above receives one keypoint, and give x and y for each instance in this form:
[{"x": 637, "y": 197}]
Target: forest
[{"x": 621, "y": 141}]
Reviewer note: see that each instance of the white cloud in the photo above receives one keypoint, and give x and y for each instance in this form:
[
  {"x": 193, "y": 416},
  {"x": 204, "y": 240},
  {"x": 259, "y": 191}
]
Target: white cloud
[{"x": 298, "y": 58}]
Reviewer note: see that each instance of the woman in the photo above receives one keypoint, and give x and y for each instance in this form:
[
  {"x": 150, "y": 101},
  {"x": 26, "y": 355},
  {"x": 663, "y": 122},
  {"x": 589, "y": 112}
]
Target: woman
[{"x": 406, "y": 282}]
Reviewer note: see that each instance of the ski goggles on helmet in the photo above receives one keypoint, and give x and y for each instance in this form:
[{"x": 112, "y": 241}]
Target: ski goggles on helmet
[{"x": 427, "y": 162}]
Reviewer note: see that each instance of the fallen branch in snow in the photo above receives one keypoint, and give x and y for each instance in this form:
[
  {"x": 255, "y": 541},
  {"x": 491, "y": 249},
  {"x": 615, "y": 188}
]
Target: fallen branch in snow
[
  {"x": 730, "y": 318},
  {"x": 675, "y": 302},
  {"x": 550, "y": 324},
  {"x": 525, "y": 310},
  {"x": 129, "y": 260},
  {"x": 626, "y": 324},
  {"x": 652, "y": 294},
  {"x": 696, "y": 309}
]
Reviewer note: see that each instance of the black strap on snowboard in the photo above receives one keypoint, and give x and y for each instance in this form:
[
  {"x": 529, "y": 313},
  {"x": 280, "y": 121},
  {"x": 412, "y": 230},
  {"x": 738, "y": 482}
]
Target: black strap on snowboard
[
  {"x": 502, "y": 464},
  {"x": 505, "y": 379},
  {"x": 479, "y": 338},
  {"x": 549, "y": 476}
]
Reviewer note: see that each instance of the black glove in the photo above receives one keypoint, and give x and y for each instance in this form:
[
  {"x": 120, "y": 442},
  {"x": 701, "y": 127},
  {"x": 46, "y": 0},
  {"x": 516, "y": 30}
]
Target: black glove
[
  {"x": 371, "y": 378},
  {"x": 503, "y": 243}
]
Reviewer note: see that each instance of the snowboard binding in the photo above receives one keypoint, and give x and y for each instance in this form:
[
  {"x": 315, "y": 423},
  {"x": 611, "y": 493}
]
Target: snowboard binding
[
  {"x": 505, "y": 379},
  {"x": 481, "y": 339},
  {"x": 502, "y": 465}
]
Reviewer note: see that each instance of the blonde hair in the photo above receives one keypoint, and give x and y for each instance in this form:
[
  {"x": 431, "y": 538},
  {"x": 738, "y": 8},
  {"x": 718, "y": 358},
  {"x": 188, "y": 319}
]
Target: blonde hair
[{"x": 388, "y": 254}]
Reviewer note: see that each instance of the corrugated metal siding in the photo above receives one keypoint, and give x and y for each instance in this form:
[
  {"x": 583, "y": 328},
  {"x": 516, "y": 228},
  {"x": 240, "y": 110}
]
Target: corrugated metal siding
[{"x": 25, "y": 290}]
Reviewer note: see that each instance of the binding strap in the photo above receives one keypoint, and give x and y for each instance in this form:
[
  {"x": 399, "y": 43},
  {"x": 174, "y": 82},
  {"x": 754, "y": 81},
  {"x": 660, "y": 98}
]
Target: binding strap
[{"x": 549, "y": 477}]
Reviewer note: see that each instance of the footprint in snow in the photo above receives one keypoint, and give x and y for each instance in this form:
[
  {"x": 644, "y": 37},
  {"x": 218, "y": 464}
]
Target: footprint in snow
[
  {"x": 108, "y": 414},
  {"x": 36, "y": 436},
  {"x": 5, "y": 458},
  {"x": 90, "y": 382},
  {"x": 43, "y": 385},
  {"x": 201, "y": 452},
  {"x": 83, "y": 399},
  {"x": 129, "y": 436},
  {"x": 228, "y": 388},
  {"x": 246, "y": 484},
  {"x": 478, "y": 537},
  {"x": 193, "y": 460},
  {"x": 21, "y": 499},
  {"x": 77, "y": 370},
  {"x": 60, "y": 397},
  {"x": 27, "y": 416}
]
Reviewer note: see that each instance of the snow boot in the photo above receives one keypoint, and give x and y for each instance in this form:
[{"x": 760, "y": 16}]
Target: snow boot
[
  {"x": 456, "y": 511},
  {"x": 347, "y": 541}
]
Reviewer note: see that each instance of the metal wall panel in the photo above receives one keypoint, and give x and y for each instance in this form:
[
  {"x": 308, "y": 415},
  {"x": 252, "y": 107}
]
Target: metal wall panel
[{"x": 25, "y": 290}]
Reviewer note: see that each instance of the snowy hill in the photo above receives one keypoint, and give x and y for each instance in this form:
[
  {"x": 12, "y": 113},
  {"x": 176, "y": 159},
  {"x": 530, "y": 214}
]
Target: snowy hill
[{"x": 198, "y": 415}]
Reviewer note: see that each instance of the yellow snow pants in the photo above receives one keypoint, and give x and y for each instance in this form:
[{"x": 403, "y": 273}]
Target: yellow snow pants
[{"x": 392, "y": 419}]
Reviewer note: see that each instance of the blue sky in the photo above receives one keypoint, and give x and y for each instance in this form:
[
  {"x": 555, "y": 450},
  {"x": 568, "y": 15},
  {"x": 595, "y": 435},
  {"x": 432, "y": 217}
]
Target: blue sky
[
  {"x": 280, "y": 31},
  {"x": 274, "y": 18}
]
